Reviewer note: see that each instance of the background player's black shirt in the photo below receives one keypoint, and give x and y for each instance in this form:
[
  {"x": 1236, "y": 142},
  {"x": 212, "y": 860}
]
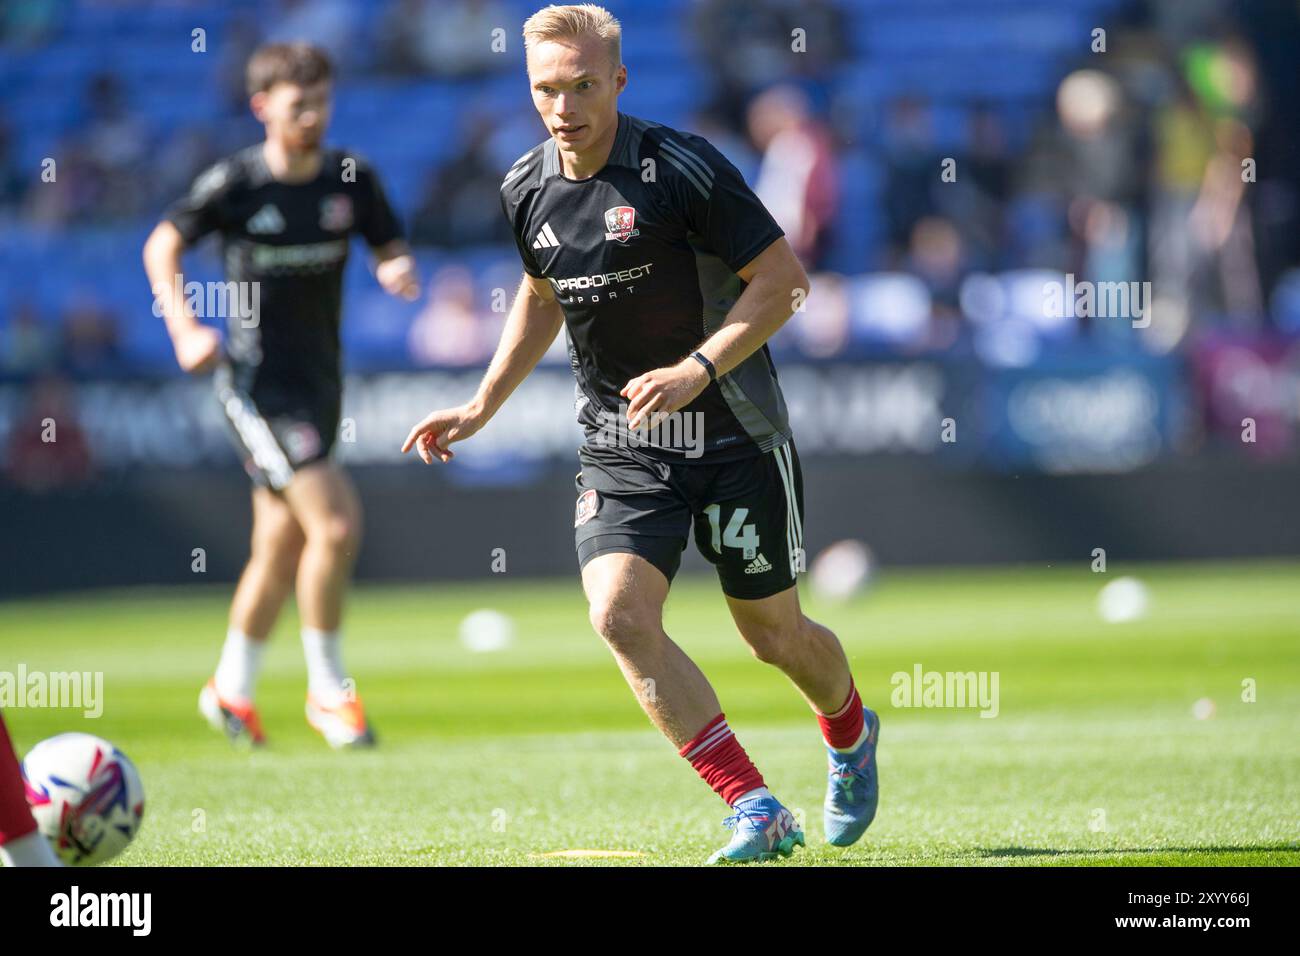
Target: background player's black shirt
[
  {"x": 643, "y": 259},
  {"x": 292, "y": 239}
]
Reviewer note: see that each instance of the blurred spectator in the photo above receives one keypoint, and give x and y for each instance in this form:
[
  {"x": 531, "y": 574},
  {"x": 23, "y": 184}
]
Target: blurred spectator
[
  {"x": 31, "y": 23},
  {"x": 988, "y": 159},
  {"x": 462, "y": 203},
  {"x": 447, "y": 330},
  {"x": 47, "y": 448},
  {"x": 937, "y": 256},
  {"x": 1202, "y": 237},
  {"x": 1181, "y": 21},
  {"x": 186, "y": 153},
  {"x": 331, "y": 24},
  {"x": 446, "y": 38},
  {"x": 1087, "y": 163},
  {"x": 1136, "y": 173},
  {"x": 750, "y": 43},
  {"x": 1098, "y": 139},
  {"x": 978, "y": 197},
  {"x": 117, "y": 142},
  {"x": 735, "y": 146},
  {"x": 242, "y": 37},
  {"x": 797, "y": 177},
  {"x": 891, "y": 310},
  {"x": 101, "y": 170},
  {"x": 1226, "y": 79},
  {"x": 76, "y": 193},
  {"x": 29, "y": 346},
  {"x": 821, "y": 328},
  {"x": 912, "y": 160},
  {"x": 90, "y": 341},
  {"x": 12, "y": 183}
]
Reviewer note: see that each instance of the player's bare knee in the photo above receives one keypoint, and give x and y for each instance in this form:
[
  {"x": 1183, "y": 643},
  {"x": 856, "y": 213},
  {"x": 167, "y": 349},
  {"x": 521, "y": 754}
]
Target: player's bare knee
[
  {"x": 814, "y": 633},
  {"x": 775, "y": 641},
  {"x": 338, "y": 532},
  {"x": 623, "y": 624},
  {"x": 609, "y": 618},
  {"x": 767, "y": 643}
]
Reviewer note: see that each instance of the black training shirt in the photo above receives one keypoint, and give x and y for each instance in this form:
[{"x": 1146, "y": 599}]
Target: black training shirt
[
  {"x": 292, "y": 240},
  {"x": 643, "y": 259}
]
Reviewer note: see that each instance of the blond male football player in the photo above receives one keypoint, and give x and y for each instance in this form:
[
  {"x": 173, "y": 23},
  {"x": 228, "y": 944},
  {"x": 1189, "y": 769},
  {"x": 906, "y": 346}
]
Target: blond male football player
[
  {"x": 670, "y": 277},
  {"x": 286, "y": 210}
]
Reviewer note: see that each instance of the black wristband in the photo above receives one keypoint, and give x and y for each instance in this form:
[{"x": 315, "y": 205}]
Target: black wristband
[{"x": 703, "y": 360}]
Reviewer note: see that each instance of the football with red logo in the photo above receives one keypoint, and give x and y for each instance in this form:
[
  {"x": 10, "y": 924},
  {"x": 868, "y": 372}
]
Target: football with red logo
[{"x": 86, "y": 796}]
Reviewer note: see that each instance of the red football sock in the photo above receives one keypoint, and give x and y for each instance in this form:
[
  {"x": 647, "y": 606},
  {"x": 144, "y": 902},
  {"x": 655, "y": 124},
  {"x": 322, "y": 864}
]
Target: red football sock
[
  {"x": 718, "y": 758},
  {"x": 15, "y": 818},
  {"x": 842, "y": 729}
]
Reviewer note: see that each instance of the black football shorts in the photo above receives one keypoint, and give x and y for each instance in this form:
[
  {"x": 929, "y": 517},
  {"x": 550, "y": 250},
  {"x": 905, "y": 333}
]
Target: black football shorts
[
  {"x": 747, "y": 514},
  {"x": 277, "y": 431}
]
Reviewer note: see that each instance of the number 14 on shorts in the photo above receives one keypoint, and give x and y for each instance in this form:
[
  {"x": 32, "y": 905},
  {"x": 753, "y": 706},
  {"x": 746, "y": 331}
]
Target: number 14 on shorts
[{"x": 737, "y": 533}]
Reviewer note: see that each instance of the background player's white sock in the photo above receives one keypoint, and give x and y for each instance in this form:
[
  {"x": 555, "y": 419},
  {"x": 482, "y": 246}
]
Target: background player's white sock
[
  {"x": 325, "y": 672},
  {"x": 30, "y": 850},
  {"x": 241, "y": 660}
]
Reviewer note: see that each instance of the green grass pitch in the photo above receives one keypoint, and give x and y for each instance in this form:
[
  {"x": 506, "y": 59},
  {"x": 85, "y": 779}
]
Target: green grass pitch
[{"x": 1095, "y": 757}]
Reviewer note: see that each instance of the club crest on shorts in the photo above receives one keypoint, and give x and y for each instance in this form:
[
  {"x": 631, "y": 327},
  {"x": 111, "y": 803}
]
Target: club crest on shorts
[
  {"x": 301, "y": 442},
  {"x": 588, "y": 504},
  {"x": 336, "y": 213},
  {"x": 620, "y": 223}
]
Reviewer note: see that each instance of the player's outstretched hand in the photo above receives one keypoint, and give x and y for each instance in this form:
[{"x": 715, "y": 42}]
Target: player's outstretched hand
[
  {"x": 431, "y": 436},
  {"x": 197, "y": 348},
  {"x": 663, "y": 391},
  {"x": 397, "y": 277}
]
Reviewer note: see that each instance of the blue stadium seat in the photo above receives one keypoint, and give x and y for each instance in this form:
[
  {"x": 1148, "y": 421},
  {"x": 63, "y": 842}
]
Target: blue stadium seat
[{"x": 945, "y": 51}]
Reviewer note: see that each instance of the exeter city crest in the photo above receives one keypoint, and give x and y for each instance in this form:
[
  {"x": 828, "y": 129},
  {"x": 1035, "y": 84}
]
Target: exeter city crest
[
  {"x": 588, "y": 505},
  {"x": 336, "y": 213},
  {"x": 620, "y": 223},
  {"x": 301, "y": 441}
]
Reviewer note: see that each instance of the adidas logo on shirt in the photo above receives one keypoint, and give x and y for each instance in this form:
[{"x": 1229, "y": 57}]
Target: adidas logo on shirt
[
  {"x": 266, "y": 221},
  {"x": 545, "y": 238},
  {"x": 758, "y": 565}
]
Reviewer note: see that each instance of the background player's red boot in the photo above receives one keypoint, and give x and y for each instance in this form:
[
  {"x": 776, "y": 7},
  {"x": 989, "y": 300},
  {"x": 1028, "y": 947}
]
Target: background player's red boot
[{"x": 237, "y": 719}]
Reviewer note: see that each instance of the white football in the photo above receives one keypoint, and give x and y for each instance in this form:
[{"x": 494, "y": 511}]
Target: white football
[
  {"x": 843, "y": 570},
  {"x": 86, "y": 797}
]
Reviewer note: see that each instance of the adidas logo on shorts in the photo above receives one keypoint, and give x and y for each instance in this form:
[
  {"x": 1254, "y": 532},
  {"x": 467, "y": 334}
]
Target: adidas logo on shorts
[{"x": 758, "y": 565}]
